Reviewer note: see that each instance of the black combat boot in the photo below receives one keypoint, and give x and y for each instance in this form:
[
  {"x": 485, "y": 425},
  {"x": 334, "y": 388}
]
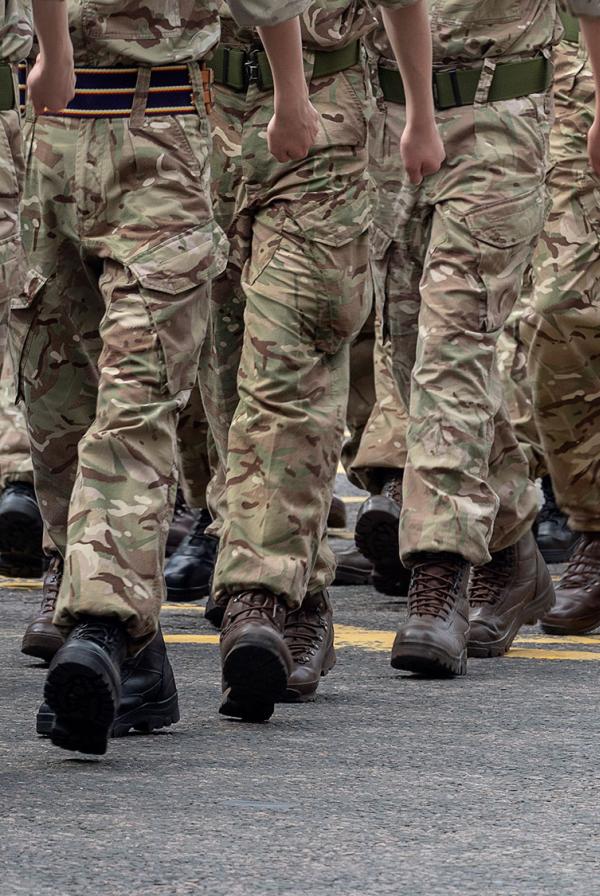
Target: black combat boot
[
  {"x": 352, "y": 568},
  {"x": 181, "y": 524},
  {"x": 433, "y": 640},
  {"x": 377, "y": 536},
  {"x": 21, "y": 531},
  {"x": 554, "y": 538},
  {"x": 83, "y": 687},
  {"x": 149, "y": 698},
  {"x": 189, "y": 570}
]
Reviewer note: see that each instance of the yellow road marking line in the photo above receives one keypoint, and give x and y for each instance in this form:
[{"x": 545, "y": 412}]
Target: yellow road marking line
[
  {"x": 193, "y": 608},
  {"x": 23, "y": 584},
  {"x": 518, "y": 653},
  {"x": 380, "y": 641},
  {"x": 594, "y": 640},
  {"x": 192, "y": 639}
]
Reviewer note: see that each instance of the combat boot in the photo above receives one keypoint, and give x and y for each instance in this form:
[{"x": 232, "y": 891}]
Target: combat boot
[
  {"x": 514, "y": 589},
  {"x": 309, "y": 635},
  {"x": 255, "y": 658},
  {"x": 188, "y": 572},
  {"x": 577, "y": 607},
  {"x": 149, "y": 698},
  {"x": 21, "y": 531},
  {"x": 42, "y": 638},
  {"x": 433, "y": 641},
  {"x": 83, "y": 687},
  {"x": 352, "y": 568},
  {"x": 554, "y": 538},
  {"x": 183, "y": 520},
  {"x": 377, "y": 536}
]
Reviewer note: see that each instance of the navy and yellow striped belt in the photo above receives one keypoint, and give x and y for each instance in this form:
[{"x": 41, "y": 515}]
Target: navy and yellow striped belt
[{"x": 109, "y": 92}]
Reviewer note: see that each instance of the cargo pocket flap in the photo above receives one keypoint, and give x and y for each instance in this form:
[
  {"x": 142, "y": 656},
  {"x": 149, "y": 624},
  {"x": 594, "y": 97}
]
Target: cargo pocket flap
[
  {"x": 187, "y": 260},
  {"x": 509, "y": 222},
  {"x": 34, "y": 283},
  {"x": 335, "y": 221}
]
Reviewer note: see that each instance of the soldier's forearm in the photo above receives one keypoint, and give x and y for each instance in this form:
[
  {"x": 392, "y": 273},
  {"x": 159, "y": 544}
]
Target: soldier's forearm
[
  {"x": 409, "y": 33},
  {"x": 52, "y": 28},
  {"x": 283, "y": 45},
  {"x": 266, "y": 12}
]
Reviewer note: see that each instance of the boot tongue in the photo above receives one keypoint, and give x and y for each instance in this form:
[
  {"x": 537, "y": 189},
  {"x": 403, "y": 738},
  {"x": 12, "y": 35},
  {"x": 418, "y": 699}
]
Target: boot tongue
[{"x": 432, "y": 589}]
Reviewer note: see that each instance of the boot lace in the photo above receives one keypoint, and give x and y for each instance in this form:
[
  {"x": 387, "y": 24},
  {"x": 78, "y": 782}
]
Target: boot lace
[
  {"x": 581, "y": 566},
  {"x": 432, "y": 590},
  {"x": 303, "y": 632},
  {"x": 255, "y": 605},
  {"x": 489, "y": 581},
  {"x": 106, "y": 634},
  {"x": 51, "y": 587}
]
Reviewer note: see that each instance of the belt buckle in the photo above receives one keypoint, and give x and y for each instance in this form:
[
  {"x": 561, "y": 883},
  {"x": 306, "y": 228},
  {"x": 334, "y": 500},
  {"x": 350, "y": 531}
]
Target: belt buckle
[{"x": 252, "y": 69}]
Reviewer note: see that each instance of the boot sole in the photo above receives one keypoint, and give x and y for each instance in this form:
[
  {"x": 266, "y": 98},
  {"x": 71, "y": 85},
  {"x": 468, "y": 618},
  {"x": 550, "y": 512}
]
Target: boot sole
[
  {"x": 377, "y": 537},
  {"x": 308, "y": 692},
  {"x": 345, "y": 577},
  {"x": 557, "y": 556},
  {"x": 82, "y": 696},
  {"x": 255, "y": 678},
  {"x": 428, "y": 661},
  {"x": 529, "y": 616},
  {"x": 145, "y": 719},
  {"x": 186, "y": 595},
  {"x": 41, "y": 647},
  {"x": 575, "y": 628}
]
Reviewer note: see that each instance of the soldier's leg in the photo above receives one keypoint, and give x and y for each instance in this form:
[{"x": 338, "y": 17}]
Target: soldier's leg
[
  {"x": 361, "y": 396},
  {"x": 563, "y": 335},
  {"x": 20, "y": 522}
]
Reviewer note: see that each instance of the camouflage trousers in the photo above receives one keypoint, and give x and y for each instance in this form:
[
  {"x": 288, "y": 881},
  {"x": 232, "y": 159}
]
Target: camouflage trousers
[
  {"x": 282, "y": 323},
  {"x": 563, "y": 328},
  {"x": 448, "y": 261},
  {"x": 15, "y": 459},
  {"x": 122, "y": 246}
]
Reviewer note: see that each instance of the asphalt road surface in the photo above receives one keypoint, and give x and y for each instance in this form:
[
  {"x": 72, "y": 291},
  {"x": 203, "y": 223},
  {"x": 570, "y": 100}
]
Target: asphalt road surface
[{"x": 386, "y": 784}]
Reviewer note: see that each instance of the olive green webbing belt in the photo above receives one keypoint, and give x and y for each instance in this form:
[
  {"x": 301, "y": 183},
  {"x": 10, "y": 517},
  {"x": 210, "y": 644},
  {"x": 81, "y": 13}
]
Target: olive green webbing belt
[
  {"x": 7, "y": 88},
  {"x": 237, "y": 68},
  {"x": 571, "y": 26},
  {"x": 459, "y": 86}
]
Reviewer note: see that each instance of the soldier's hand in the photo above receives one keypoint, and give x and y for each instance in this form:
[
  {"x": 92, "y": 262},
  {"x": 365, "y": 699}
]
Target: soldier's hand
[
  {"x": 51, "y": 82},
  {"x": 293, "y": 130},
  {"x": 594, "y": 146},
  {"x": 422, "y": 150}
]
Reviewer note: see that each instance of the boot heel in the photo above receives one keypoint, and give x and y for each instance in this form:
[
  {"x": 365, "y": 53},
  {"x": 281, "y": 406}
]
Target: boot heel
[
  {"x": 543, "y": 602},
  {"x": 329, "y": 662}
]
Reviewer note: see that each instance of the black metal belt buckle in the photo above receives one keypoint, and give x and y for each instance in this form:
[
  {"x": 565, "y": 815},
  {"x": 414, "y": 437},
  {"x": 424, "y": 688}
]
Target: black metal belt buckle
[{"x": 252, "y": 69}]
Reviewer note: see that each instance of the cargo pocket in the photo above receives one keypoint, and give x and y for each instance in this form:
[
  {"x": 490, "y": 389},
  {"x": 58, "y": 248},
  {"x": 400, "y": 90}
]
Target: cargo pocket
[
  {"x": 12, "y": 273},
  {"x": 174, "y": 282},
  {"x": 506, "y": 233},
  {"x": 22, "y": 315},
  {"x": 335, "y": 235}
]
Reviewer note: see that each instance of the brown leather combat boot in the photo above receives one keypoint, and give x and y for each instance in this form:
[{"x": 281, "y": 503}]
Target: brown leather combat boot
[
  {"x": 42, "y": 638},
  {"x": 577, "y": 607},
  {"x": 514, "y": 589},
  {"x": 256, "y": 660},
  {"x": 433, "y": 641},
  {"x": 309, "y": 635}
]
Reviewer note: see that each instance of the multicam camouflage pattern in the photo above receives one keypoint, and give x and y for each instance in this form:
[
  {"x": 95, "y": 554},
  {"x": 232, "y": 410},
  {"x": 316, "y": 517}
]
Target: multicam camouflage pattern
[
  {"x": 563, "y": 329},
  {"x": 299, "y": 241},
  {"x": 15, "y": 461},
  {"x": 106, "y": 339},
  {"x": 512, "y": 364},
  {"x": 448, "y": 261},
  {"x": 16, "y": 30},
  {"x": 470, "y": 31},
  {"x": 383, "y": 441}
]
